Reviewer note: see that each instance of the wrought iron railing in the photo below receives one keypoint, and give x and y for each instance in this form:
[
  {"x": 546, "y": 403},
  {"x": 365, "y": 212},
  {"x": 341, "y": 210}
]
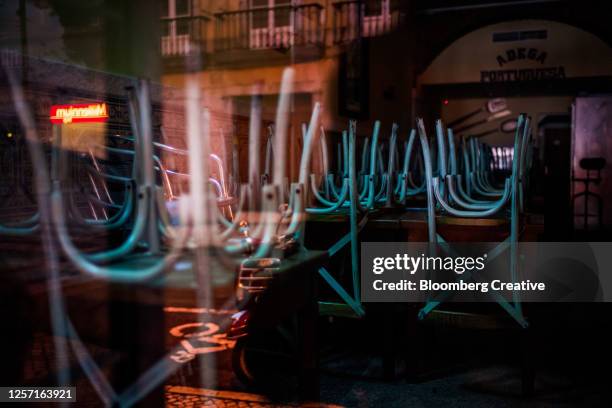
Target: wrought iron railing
[
  {"x": 184, "y": 36},
  {"x": 278, "y": 27},
  {"x": 352, "y": 19}
]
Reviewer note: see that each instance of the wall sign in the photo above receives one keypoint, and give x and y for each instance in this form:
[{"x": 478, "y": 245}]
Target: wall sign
[
  {"x": 79, "y": 113},
  {"x": 523, "y": 74},
  {"x": 522, "y": 54},
  {"x": 565, "y": 52}
]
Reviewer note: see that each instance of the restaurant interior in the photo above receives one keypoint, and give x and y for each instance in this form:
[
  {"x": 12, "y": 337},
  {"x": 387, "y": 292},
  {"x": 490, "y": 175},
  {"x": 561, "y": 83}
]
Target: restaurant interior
[{"x": 219, "y": 203}]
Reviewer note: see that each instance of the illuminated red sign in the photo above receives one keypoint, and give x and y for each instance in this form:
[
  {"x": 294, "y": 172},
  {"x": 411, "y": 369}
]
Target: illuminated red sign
[{"x": 79, "y": 113}]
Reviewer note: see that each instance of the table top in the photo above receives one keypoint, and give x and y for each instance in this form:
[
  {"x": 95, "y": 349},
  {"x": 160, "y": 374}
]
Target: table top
[
  {"x": 181, "y": 279},
  {"x": 408, "y": 217}
]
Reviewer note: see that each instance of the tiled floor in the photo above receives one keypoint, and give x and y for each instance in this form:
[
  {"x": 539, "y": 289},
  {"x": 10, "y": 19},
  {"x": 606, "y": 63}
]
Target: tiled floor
[{"x": 197, "y": 397}]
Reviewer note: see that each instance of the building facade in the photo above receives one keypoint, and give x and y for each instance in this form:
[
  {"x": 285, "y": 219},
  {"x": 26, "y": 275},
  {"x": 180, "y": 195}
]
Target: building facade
[{"x": 237, "y": 49}]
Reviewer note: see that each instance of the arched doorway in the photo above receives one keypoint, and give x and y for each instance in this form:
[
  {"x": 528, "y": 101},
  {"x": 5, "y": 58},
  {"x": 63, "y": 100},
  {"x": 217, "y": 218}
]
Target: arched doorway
[{"x": 544, "y": 68}]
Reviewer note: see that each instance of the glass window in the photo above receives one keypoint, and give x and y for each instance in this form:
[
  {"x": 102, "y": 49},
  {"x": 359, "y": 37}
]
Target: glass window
[
  {"x": 182, "y": 7},
  {"x": 259, "y": 18},
  {"x": 282, "y": 14},
  {"x": 164, "y": 8},
  {"x": 373, "y": 7}
]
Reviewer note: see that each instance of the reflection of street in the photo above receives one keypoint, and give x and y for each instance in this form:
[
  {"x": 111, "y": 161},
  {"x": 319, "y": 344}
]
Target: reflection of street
[
  {"x": 199, "y": 338},
  {"x": 199, "y": 335},
  {"x": 202, "y": 333}
]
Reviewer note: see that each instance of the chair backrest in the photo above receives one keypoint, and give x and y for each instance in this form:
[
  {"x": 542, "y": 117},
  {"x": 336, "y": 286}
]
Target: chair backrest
[{"x": 439, "y": 184}]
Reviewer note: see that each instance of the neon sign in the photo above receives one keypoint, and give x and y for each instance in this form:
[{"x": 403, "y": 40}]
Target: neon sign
[{"x": 79, "y": 113}]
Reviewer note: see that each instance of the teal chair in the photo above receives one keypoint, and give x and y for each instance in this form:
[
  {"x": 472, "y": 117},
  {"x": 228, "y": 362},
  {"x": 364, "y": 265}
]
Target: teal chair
[{"x": 441, "y": 192}]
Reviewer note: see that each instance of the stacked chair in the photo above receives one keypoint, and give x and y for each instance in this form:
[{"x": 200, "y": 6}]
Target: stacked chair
[
  {"x": 25, "y": 227},
  {"x": 132, "y": 191},
  {"x": 474, "y": 196},
  {"x": 357, "y": 194}
]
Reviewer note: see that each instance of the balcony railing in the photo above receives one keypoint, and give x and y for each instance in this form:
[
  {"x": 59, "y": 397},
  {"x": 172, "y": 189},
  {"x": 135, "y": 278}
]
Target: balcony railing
[
  {"x": 351, "y": 20},
  {"x": 183, "y": 36},
  {"x": 279, "y": 27}
]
